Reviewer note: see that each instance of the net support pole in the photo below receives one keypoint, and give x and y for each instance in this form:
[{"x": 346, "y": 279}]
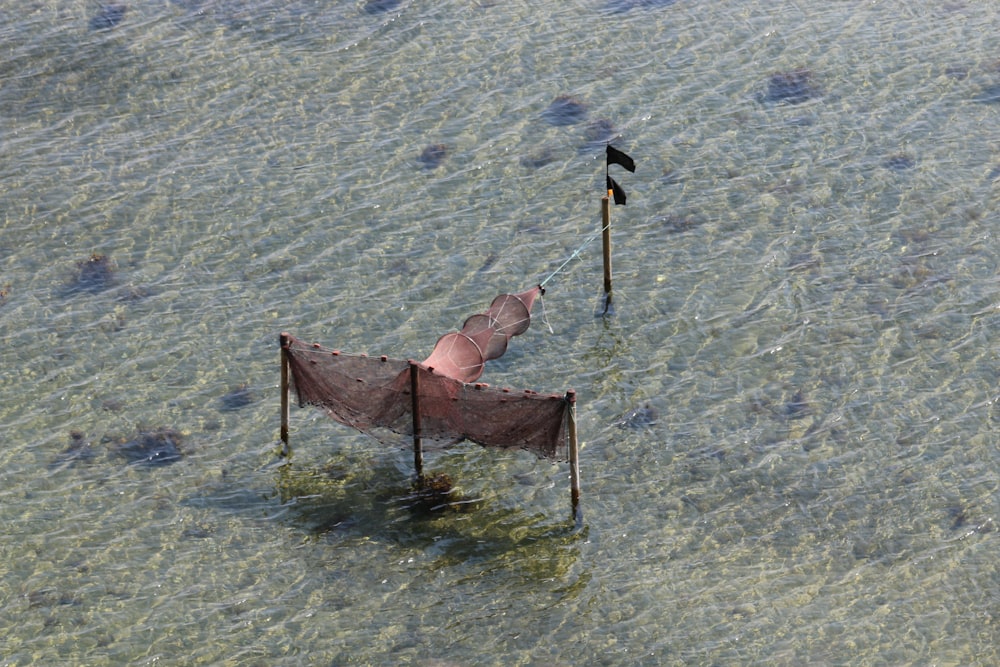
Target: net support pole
[
  {"x": 606, "y": 236},
  {"x": 574, "y": 458},
  {"x": 418, "y": 452},
  {"x": 285, "y": 341}
]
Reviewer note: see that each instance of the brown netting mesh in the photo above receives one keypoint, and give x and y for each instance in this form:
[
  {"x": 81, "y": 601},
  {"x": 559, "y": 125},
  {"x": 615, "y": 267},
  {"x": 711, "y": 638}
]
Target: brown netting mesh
[
  {"x": 369, "y": 393},
  {"x": 374, "y": 394}
]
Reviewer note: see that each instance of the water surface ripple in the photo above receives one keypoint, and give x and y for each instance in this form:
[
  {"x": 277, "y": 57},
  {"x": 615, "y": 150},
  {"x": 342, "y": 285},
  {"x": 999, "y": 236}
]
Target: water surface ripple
[{"x": 807, "y": 292}]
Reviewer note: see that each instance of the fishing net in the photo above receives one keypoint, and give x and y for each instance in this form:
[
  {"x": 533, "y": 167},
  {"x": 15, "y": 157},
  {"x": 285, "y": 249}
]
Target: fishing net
[
  {"x": 375, "y": 394},
  {"x": 462, "y": 355}
]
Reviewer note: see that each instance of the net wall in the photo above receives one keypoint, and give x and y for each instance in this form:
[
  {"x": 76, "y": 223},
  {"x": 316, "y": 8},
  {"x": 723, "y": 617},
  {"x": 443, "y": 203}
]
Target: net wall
[{"x": 373, "y": 393}]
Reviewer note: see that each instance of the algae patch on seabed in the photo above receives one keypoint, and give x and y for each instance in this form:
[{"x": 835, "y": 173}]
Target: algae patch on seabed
[
  {"x": 108, "y": 16},
  {"x": 79, "y": 450},
  {"x": 791, "y": 87},
  {"x": 430, "y": 494},
  {"x": 565, "y": 110},
  {"x": 640, "y": 417},
  {"x": 154, "y": 448},
  {"x": 433, "y": 155},
  {"x": 237, "y": 398},
  {"x": 94, "y": 274}
]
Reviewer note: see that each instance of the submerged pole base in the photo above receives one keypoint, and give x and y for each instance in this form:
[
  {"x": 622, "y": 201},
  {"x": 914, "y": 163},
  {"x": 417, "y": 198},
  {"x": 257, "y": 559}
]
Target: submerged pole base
[
  {"x": 605, "y": 307},
  {"x": 284, "y": 340}
]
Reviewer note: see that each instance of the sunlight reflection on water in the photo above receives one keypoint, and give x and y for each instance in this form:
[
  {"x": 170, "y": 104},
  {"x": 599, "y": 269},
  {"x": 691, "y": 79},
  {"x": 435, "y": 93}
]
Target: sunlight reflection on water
[{"x": 806, "y": 293}]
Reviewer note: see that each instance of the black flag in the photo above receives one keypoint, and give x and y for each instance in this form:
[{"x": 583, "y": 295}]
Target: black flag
[
  {"x": 617, "y": 191},
  {"x": 615, "y": 156}
]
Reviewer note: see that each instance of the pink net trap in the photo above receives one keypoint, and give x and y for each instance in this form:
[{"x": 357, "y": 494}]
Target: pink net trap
[{"x": 376, "y": 394}]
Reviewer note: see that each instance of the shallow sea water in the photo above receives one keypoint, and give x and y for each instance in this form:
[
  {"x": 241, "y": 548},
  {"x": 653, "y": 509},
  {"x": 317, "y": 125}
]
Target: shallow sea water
[{"x": 806, "y": 293}]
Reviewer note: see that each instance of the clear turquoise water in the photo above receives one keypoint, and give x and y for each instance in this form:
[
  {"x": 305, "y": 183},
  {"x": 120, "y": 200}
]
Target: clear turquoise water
[{"x": 806, "y": 293}]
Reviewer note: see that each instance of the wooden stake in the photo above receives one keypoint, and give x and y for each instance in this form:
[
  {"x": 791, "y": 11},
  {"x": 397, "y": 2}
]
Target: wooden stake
[
  {"x": 418, "y": 452},
  {"x": 285, "y": 341},
  {"x": 606, "y": 235},
  {"x": 574, "y": 459}
]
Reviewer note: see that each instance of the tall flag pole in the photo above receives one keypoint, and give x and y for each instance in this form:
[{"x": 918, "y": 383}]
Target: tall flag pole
[{"x": 616, "y": 192}]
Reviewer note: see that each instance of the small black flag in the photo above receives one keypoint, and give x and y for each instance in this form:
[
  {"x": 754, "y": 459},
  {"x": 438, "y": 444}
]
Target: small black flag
[
  {"x": 615, "y": 156},
  {"x": 617, "y": 191}
]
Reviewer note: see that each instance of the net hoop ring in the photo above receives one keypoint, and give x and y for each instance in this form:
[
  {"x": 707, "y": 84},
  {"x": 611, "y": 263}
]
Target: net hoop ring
[
  {"x": 484, "y": 330},
  {"x": 457, "y": 356}
]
